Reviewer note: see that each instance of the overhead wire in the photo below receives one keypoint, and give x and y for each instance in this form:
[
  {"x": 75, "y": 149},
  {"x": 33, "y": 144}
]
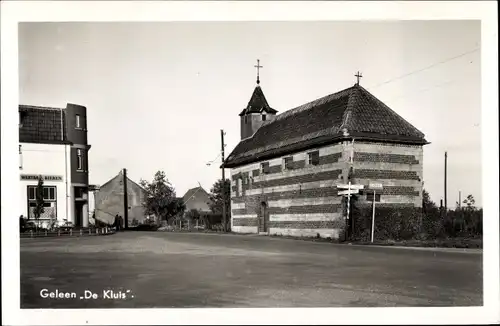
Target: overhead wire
[{"x": 423, "y": 69}]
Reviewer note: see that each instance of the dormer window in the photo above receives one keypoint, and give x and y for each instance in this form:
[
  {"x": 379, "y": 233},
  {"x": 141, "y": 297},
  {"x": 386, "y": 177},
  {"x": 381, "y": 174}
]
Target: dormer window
[{"x": 263, "y": 117}]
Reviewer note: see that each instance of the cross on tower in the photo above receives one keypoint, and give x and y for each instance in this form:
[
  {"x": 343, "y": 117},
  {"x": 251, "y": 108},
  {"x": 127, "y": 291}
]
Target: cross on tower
[
  {"x": 258, "y": 66},
  {"x": 358, "y": 76}
]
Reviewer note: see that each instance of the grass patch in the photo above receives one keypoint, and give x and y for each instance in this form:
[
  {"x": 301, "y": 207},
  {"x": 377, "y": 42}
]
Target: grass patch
[{"x": 473, "y": 243}]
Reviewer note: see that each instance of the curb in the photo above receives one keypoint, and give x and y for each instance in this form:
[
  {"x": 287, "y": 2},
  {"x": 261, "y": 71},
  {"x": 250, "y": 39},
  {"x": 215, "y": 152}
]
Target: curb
[
  {"x": 437, "y": 249},
  {"x": 348, "y": 244}
]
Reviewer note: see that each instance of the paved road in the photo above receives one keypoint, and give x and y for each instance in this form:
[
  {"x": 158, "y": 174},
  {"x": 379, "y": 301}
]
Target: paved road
[{"x": 212, "y": 270}]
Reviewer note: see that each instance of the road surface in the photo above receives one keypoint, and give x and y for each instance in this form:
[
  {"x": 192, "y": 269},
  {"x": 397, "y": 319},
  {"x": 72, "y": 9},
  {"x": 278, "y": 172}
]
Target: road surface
[{"x": 163, "y": 269}]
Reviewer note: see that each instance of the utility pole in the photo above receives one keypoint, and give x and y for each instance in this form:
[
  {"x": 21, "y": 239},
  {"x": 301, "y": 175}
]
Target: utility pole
[
  {"x": 223, "y": 182},
  {"x": 125, "y": 199},
  {"x": 445, "y": 182},
  {"x": 459, "y": 200}
]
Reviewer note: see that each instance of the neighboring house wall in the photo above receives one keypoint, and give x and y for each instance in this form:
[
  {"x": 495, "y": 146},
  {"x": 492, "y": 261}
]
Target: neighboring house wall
[
  {"x": 48, "y": 160},
  {"x": 302, "y": 201},
  {"x": 45, "y": 126},
  {"x": 198, "y": 200},
  {"x": 109, "y": 201}
]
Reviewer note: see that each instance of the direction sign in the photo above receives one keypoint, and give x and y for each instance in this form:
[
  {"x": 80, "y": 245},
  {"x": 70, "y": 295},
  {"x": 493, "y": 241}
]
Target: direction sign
[
  {"x": 348, "y": 192},
  {"x": 351, "y": 187},
  {"x": 376, "y": 186}
]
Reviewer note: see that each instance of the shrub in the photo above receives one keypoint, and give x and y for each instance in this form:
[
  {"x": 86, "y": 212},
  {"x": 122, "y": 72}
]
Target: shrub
[
  {"x": 397, "y": 223},
  {"x": 393, "y": 223}
]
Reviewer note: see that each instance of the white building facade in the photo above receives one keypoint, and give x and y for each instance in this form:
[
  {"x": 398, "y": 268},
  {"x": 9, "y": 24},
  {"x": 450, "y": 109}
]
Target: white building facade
[{"x": 52, "y": 147}]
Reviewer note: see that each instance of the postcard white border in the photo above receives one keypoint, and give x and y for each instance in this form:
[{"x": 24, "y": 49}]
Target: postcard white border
[{"x": 13, "y": 12}]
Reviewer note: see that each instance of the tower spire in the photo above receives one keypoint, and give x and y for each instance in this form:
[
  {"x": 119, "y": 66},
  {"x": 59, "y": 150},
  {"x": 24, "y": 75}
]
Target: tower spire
[{"x": 258, "y": 66}]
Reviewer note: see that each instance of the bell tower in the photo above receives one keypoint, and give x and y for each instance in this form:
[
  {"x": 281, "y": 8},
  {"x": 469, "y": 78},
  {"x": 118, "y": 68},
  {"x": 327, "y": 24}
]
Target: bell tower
[{"x": 257, "y": 111}]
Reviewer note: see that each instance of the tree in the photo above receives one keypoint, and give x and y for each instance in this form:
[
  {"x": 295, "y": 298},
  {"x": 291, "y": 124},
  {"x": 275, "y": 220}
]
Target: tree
[
  {"x": 217, "y": 199},
  {"x": 159, "y": 199},
  {"x": 40, "y": 202},
  {"x": 427, "y": 202},
  {"x": 470, "y": 203},
  {"x": 176, "y": 207}
]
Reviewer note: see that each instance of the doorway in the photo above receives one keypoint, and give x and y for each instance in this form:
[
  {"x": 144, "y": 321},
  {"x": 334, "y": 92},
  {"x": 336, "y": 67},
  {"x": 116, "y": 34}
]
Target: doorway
[
  {"x": 264, "y": 218},
  {"x": 78, "y": 213}
]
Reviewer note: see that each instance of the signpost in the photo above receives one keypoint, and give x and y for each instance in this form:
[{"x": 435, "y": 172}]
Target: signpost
[
  {"x": 374, "y": 187},
  {"x": 350, "y": 189},
  {"x": 348, "y": 192}
]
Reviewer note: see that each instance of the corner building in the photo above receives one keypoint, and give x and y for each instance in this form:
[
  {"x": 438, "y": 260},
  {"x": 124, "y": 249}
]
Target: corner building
[
  {"x": 286, "y": 168},
  {"x": 53, "y": 144}
]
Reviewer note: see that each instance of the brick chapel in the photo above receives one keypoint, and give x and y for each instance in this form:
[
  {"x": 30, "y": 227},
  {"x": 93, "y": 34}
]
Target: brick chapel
[{"x": 286, "y": 168}]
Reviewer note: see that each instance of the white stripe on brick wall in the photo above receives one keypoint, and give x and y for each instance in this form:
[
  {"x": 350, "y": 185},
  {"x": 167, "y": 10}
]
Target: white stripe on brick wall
[
  {"x": 306, "y": 185},
  {"x": 391, "y": 182},
  {"x": 237, "y": 205},
  {"x": 244, "y": 229},
  {"x": 324, "y": 233},
  {"x": 305, "y": 201},
  {"x": 304, "y": 217},
  {"x": 244, "y": 216},
  {"x": 397, "y": 199},
  {"x": 294, "y": 173}
]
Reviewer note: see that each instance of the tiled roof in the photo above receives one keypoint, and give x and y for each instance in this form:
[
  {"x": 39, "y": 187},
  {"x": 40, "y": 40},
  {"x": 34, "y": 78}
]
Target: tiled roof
[
  {"x": 42, "y": 125},
  {"x": 324, "y": 121},
  {"x": 258, "y": 103}
]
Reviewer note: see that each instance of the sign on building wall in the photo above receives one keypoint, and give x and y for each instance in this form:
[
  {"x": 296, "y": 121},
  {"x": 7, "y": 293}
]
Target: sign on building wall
[{"x": 28, "y": 177}]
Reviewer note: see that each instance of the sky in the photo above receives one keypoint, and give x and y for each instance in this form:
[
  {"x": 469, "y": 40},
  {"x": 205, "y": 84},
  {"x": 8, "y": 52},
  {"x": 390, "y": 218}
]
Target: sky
[{"x": 158, "y": 93}]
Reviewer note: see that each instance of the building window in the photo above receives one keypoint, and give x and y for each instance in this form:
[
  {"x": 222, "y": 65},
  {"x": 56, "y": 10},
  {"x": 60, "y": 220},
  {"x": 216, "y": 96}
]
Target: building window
[
  {"x": 264, "y": 168},
  {"x": 313, "y": 158},
  {"x": 246, "y": 119},
  {"x": 238, "y": 187},
  {"x": 263, "y": 117},
  {"x": 79, "y": 159},
  {"x": 288, "y": 163},
  {"x": 79, "y": 192},
  {"x": 49, "y": 193},
  {"x": 20, "y": 157},
  {"x": 77, "y": 121}
]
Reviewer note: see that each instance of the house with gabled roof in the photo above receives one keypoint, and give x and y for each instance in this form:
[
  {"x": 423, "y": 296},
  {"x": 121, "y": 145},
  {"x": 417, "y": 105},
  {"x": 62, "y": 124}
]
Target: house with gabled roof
[
  {"x": 109, "y": 200},
  {"x": 286, "y": 168},
  {"x": 198, "y": 199}
]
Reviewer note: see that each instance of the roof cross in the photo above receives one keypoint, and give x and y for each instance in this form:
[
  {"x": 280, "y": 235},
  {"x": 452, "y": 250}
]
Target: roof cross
[
  {"x": 258, "y": 66},
  {"x": 358, "y": 76}
]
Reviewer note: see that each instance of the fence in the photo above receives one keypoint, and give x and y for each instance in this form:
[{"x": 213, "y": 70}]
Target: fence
[
  {"x": 192, "y": 226},
  {"x": 68, "y": 233}
]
